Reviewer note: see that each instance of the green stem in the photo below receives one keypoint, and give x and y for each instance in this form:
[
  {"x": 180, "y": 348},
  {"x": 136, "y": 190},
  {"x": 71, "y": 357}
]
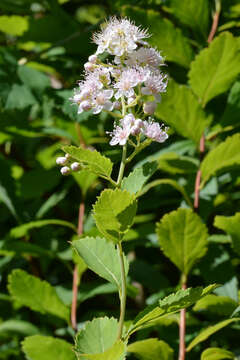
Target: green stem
[
  {"x": 122, "y": 166},
  {"x": 123, "y": 291}
]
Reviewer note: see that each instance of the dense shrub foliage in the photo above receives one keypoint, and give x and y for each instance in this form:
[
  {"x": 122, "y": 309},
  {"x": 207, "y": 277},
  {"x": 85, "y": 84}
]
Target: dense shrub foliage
[{"x": 175, "y": 212}]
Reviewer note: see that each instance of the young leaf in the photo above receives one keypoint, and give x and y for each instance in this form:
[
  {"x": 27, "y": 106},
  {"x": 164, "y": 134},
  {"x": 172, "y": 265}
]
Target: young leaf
[
  {"x": 181, "y": 110},
  {"x": 22, "y": 230},
  {"x": 230, "y": 224},
  {"x": 37, "y": 294},
  {"x": 206, "y": 333},
  {"x": 169, "y": 305},
  {"x": 215, "y": 68},
  {"x": 217, "y": 354},
  {"x": 40, "y": 347},
  {"x": 151, "y": 349},
  {"x": 93, "y": 160},
  {"x": 183, "y": 238},
  {"x": 14, "y": 25},
  {"x": 172, "y": 42},
  {"x": 225, "y": 155},
  {"x": 101, "y": 257},
  {"x": 138, "y": 177},
  {"x": 99, "y": 335},
  {"x": 194, "y": 14},
  {"x": 114, "y": 212},
  {"x": 116, "y": 352}
]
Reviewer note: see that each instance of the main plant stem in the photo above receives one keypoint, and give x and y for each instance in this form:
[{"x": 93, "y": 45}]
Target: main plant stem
[
  {"x": 75, "y": 271},
  {"x": 182, "y": 329},
  {"x": 123, "y": 294}
]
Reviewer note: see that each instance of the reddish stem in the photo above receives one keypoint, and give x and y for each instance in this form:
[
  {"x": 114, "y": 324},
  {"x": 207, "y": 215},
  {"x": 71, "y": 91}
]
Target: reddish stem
[
  {"x": 75, "y": 272},
  {"x": 214, "y": 26}
]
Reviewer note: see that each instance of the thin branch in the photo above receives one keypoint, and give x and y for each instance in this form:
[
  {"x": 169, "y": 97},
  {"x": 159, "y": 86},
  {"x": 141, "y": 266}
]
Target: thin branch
[
  {"x": 182, "y": 330},
  {"x": 215, "y": 22}
]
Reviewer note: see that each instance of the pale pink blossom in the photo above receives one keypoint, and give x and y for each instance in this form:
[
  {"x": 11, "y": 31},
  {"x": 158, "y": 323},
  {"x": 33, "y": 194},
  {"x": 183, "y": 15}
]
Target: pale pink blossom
[
  {"x": 149, "y": 107},
  {"x": 155, "y": 84},
  {"x": 119, "y": 135},
  {"x": 154, "y": 131},
  {"x": 145, "y": 57},
  {"x": 102, "y": 101},
  {"x": 125, "y": 85}
]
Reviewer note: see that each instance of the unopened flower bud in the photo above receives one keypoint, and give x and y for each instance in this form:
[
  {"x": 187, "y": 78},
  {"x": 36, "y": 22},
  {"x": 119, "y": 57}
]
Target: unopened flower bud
[
  {"x": 61, "y": 160},
  {"x": 75, "y": 166},
  {"x": 117, "y": 105},
  {"x": 149, "y": 107},
  {"x": 92, "y": 59},
  {"x": 89, "y": 66},
  {"x": 135, "y": 130},
  {"x": 67, "y": 156},
  {"x": 65, "y": 170}
]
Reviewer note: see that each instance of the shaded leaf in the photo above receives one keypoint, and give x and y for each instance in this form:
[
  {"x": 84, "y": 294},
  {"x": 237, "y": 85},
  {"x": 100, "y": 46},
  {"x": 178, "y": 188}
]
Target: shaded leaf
[
  {"x": 36, "y": 294},
  {"x": 222, "y": 157},
  {"x": 177, "y": 164},
  {"x": 206, "y": 333},
  {"x": 101, "y": 257},
  {"x": 22, "y": 230},
  {"x": 138, "y": 177},
  {"x": 114, "y": 213},
  {"x": 181, "y": 110},
  {"x": 151, "y": 349},
  {"x": 93, "y": 160},
  {"x": 230, "y": 224},
  {"x": 174, "y": 45},
  {"x": 194, "y": 14},
  {"x": 183, "y": 238},
  {"x": 216, "y": 354},
  {"x": 215, "y": 68},
  {"x": 5, "y": 198},
  {"x": 20, "y": 97},
  {"x": 19, "y": 327},
  {"x": 34, "y": 79},
  {"x": 40, "y": 347},
  {"x": 220, "y": 305}
]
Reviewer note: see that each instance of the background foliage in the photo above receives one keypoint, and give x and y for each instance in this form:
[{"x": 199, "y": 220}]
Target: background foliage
[{"x": 43, "y": 46}]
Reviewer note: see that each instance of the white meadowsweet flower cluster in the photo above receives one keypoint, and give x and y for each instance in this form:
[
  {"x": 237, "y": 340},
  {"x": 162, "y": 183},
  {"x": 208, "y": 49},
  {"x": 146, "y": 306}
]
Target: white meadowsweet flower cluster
[{"x": 128, "y": 85}]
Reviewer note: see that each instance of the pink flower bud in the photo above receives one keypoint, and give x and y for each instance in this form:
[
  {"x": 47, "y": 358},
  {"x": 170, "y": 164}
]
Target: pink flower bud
[
  {"x": 61, "y": 160},
  {"x": 149, "y": 107},
  {"x": 92, "y": 59},
  {"x": 65, "y": 170},
  {"x": 89, "y": 66},
  {"x": 75, "y": 166}
]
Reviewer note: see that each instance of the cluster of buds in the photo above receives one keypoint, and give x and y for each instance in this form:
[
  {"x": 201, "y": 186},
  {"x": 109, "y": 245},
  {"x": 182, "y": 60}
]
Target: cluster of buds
[
  {"x": 128, "y": 85},
  {"x": 67, "y": 165}
]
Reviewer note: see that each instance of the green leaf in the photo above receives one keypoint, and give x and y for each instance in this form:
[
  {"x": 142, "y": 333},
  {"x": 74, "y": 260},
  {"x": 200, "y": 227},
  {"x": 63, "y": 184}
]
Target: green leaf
[
  {"x": 5, "y": 198},
  {"x": 151, "y": 349},
  {"x": 85, "y": 180},
  {"x": 101, "y": 257},
  {"x": 13, "y": 25},
  {"x": 174, "y": 45},
  {"x": 114, "y": 213},
  {"x": 177, "y": 164},
  {"x": 116, "y": 352},
  {"x": 230, "y": 115},
  {"x": 194, "y": 14},
  {"x": 19, "y": 327},
  {"x": 183, "y": 238},
  {"x": 93, "y": 160},
  {"x": 138, "y": 177},
  {"x": 20, "y": 97},
  {"x": 225, "y": 155},
  {"x": 215, "y": 68},
  {"x": 206, "y": 333},
  {"x": 216, "y": 354},
  {"x": 230, "y": 224},
  {"x": 220, "y": 305},
  {"x": 99, "y": 335},
  {"x": 40, "y": 347},
  {"x": 32, "y": 78},
  {"x": 23, "y": 230},
  {"x": 38, "y": 295},
  {"x": 181, "y": 110},
  {"x": 169, "y": 305}
]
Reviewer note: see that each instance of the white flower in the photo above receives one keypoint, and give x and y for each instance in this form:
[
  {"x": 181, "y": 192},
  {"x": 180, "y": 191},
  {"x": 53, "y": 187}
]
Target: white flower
[
  {"x": 134, "y": 125},
  {"x": 75, "y": 166},
  {"x": 118, "y": 37},
  {"x": 127, "y": 81},
  {"x": 102, "y": 101},
  {"x": 145, "y": 56},
  {"x": 92, "y": 59},
  {"x": 85, "y": 105},
  {"x": 61, "y": 160},
  {"x": 65, "y": 170},
  {"x": 155, "y": 84},
  {"x": 119, "y": 135},
  {"x": 154, "y": 131}
]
